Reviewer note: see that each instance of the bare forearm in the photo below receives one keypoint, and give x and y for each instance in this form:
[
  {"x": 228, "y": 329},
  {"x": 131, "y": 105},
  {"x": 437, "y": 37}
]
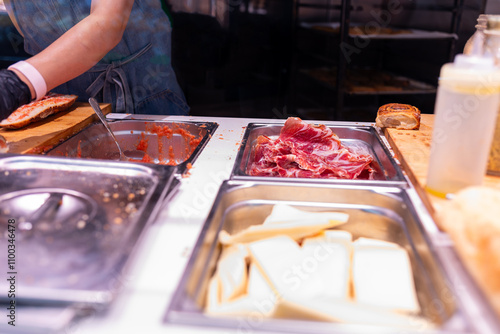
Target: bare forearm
[{"x": 85, "y": 44}]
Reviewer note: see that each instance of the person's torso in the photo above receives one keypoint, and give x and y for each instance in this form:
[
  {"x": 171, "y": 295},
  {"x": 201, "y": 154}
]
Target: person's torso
[{"x": 141, "y": 59}]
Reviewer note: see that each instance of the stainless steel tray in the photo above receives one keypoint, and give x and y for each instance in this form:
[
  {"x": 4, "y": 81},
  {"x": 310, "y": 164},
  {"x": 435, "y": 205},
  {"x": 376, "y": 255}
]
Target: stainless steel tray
[
  {"x": 387, "y": 171},
  {"x": 168, "y": 143},
  {"x": 384, "y": 213},
  {"x": 77, "y": 222}
]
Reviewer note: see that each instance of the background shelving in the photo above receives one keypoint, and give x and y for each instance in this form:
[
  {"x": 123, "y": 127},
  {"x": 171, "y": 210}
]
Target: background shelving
[{"x": 364, "y": 54}]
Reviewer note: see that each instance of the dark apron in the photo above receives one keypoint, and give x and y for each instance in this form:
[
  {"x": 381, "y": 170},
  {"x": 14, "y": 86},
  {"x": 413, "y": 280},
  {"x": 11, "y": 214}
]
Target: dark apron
[{"x": 136, "y": 76}]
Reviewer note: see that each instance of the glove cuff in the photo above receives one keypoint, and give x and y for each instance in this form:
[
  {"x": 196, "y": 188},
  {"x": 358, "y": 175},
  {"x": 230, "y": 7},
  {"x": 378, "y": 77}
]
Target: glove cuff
[{"x": 32, "y": 74}]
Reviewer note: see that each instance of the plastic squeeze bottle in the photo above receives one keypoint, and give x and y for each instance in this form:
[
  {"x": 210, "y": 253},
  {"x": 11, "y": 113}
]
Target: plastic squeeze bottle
[{"x": 465, "y": 112}]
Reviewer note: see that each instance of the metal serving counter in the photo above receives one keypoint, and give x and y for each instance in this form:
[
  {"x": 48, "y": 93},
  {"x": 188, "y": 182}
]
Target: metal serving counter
[{"x": 155, "y": 270}]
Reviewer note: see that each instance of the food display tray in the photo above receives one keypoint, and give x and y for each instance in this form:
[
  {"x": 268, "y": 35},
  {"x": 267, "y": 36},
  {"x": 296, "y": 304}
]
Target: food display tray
[
  {"x": 384, "y": 213},
  {"x": 165, "y": 142},
  {"x": 387, "y": 171},
  {"x": 76, "y": 223}
]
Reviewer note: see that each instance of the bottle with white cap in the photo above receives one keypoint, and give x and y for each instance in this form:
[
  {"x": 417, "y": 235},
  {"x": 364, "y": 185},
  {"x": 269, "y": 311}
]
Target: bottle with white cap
[
  {"x": 466, "y": 106},
  {"x": 482, "y": 24}
]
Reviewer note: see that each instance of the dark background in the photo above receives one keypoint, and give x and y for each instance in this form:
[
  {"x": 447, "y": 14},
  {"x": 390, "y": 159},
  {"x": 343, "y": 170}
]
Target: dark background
[{"x": 246, "y": 57}]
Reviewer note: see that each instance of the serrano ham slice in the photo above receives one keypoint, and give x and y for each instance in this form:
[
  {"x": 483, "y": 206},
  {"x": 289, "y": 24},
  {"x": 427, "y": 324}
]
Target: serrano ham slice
[
  {"x": 307, "y": 151},
  {"x": 37, "y": 110}
]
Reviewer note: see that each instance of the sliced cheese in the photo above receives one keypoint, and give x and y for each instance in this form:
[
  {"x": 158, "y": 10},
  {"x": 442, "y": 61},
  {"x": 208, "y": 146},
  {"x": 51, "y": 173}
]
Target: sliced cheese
[
  {"x": 276, "y": 259},
  {"x": 213, "y": 294},
  {"x": 282, "y": 213},
  {"x": 374, "y": 242},
  {"x": 257, "y": 286},
  {"x": 337, "y": 235},
  {"x": 346, "y": 312},
  {"x": 314, "y": 270},
  {"x": 258, "y": 290},
  {"x": 332, "y": 236},
  {"x": 301, "y": 225},
  {"x": 260, "y": 299},
  {"x": 328, "y": 260},
  {"x": 295, "y": 230},
  {"x": 232, "y": 272},
  {"x": 242, "y": 306},
  {"x": 383, "y": 278},
  {"x": 326, "y": 278}
]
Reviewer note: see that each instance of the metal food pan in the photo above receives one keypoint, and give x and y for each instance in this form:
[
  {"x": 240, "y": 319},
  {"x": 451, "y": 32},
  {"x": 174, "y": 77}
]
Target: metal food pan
[
  {"x": 76, "y": 225},
  {"x": 165, "y": 142},
  {"x": 384, "y": 213},
  {"x": 387, "y": 171}
]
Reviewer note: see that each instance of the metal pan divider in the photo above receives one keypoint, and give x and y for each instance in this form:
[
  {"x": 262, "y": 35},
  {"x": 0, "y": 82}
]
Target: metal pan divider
[
  {"x": 372, "y": 139},
  {"x": 476, "y": 308}
]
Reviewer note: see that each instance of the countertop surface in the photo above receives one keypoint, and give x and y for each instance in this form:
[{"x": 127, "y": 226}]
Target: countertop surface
[
  {"x": 162, "y": 256},
  {"x": 165, "y": 247},
  {"x": 157, "y": 265}
]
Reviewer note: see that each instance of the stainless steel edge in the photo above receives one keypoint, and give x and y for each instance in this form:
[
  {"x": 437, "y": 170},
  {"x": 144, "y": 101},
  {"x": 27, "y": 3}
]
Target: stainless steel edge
[
  {"x": 210, "y": 128},
  {"x": 245, "y": 149},
  {"x": 476, "y": 308},
  {"x": 164, "y": 175},
  {"x": 175, "y": 314}
]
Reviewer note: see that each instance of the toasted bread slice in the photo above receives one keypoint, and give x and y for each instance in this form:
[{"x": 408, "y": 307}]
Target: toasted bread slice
[{"x": 37, "y": 110}]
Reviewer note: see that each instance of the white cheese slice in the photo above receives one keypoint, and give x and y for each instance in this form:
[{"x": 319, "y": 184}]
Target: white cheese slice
[
  {"x": 258, "y": 290},
  {"x": 232, "y": 272},
  {"x": 257, "y": 285},
  {"x": 302, "y": 225},
  {"x": 282, "y": 213},
  {"x": 242, "y": 306},
  {"x": 276, "y": 259},
  {"x": 374, "y": 242},
  {"x": 305, "y": 273},
  {"x": 259, "y": 300},
  {"x": 346, "y": 312},
  {"x": 328, "y": 261},
  {"x": 213, "y": 294},
  {"x": 383, "y": 278},
  {"x": 337, "y": 235}
]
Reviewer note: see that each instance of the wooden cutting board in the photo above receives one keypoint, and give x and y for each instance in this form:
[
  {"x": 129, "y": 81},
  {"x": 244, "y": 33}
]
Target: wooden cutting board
[
  {"x": 412, "y": 149},
  {"x": 40, "y": 136}
]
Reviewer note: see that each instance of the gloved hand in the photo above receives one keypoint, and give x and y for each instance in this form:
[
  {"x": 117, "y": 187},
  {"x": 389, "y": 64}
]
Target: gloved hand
[{"x": 13, "y": 93}]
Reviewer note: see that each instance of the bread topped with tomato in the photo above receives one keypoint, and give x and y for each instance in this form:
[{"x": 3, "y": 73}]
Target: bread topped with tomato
[{"x": 34, "y": 111}]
